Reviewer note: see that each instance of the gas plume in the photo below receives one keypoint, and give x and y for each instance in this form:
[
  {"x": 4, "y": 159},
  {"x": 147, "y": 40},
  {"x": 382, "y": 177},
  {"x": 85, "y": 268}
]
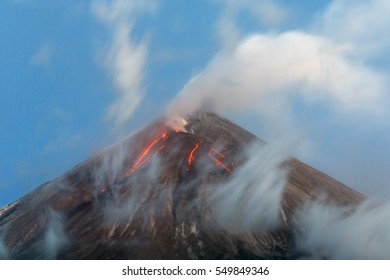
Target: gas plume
[
  {"x": 250, "y": 199},
  {"x": 55, "y": 238},
  {"x": 3, "y": 250},
  {"x": 265, "y": 74},
  {"x": 335, "y": 232}
]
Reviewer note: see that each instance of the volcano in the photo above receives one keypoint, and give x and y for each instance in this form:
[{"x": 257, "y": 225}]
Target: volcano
[{"x": 182, "y": 189}]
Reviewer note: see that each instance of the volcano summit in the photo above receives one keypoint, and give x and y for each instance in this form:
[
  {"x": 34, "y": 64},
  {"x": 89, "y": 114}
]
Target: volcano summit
[{"x": 197, "y": 188}]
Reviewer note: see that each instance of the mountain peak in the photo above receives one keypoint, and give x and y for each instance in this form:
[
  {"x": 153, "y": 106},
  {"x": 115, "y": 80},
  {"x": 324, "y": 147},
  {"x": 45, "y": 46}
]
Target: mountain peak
[{"x": 196, "y": 187}]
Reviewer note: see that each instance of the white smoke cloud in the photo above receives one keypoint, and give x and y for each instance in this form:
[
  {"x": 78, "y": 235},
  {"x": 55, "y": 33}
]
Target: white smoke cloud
[
  {"x": 266, "y": 73},
  {"x": 262, "y": 80},
  {"x": 227, "y": 31},
  {"x": 125, "y": 58},
  {"x": 142, "y": 203},
  {"x": 336, "y": 233},
  {"x": 3, "y": 250},
  {"x": 55, "y": 238},
  {"x": 120, "y": 213},
  {"x": 111, "y": 164},
  {"x": 251, "y": 198}
]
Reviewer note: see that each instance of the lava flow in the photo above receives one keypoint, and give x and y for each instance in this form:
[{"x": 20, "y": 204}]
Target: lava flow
[
  {"x": 158, "y": 144},
  {"x": 146, "y": 156},
  {"x": 217, "y": 161},
  {"x": 213, "y": 154},
  {"x": 191, "y": 156}
]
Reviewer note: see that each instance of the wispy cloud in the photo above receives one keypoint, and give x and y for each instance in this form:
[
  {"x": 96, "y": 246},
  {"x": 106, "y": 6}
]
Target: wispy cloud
[
  {"x": 362, "y": 24},
  {"x": 43, "y": 56},
  {"x": 270, "y": 13},
  {"x": 60, "y": 114},
  {"x": 3, "y": 250},
  {"x": 265, "y": 13},
  {"x": 62, "y": 141},
  {"x": 125, "y": 59},
  {"x": 251, "y": 199},
  {"x": 55, "y": 238}
]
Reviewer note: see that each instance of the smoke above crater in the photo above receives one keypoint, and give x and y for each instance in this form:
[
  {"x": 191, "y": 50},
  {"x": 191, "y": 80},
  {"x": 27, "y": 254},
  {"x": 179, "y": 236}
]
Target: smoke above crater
[
  {"x": 265, "y": 74},
  {"x": 322, "y": 80}
]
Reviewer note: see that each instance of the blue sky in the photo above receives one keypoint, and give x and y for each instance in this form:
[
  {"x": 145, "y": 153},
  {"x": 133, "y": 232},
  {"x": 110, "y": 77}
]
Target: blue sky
[{"x": 78, "y": 75}]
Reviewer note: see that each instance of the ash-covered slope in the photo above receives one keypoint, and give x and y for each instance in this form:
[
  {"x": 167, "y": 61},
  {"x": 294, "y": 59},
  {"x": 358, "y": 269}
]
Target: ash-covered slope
[{"x": 185, "y": 190}]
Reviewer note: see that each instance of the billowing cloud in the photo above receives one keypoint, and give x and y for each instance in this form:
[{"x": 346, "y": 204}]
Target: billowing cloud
[
  {"x": 267, "y": 73},
  {"x": 276, "y": 79},
  {"x": 125, "y": 59},
  {"x": 336, "y": 233}
]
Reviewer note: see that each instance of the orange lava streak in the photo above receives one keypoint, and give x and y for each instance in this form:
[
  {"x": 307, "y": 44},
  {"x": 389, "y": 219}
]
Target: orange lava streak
[
  {"x": 191, "y": 156},
  {"x": 144, "y": 158},
  {"x": 149, "y": 159},
  {"x": 216, "y": 161},
  {"x": 218, "y": 153}
]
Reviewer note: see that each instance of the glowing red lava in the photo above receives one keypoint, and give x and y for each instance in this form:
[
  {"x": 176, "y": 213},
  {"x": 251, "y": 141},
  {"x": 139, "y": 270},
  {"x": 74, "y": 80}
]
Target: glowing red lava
[
  {"x": 146, "y": 156},
  {"x": 217, "y": 161},
  {"x": 191, "y": 156},
  {"x": 152, "y": 150},
  {"x": 218, "y": 153}
]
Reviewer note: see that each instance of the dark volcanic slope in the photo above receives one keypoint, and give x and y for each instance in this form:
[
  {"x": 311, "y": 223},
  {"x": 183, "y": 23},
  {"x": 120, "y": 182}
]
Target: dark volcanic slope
[{"x": 147, "y": 198}]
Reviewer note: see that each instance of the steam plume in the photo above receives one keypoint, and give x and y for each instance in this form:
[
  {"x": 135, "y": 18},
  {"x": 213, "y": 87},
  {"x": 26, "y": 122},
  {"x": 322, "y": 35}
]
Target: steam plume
[
  {"x": 267, "y": 73},
  {"x": 336, "y": 233},
  {"x": 251, "y": 199},
  {"x": 55, "y": 238},
  {"x": 330, "y": 64},
  {"x": 3, "y": 250},
  {"x": 121, "y": 211}
]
